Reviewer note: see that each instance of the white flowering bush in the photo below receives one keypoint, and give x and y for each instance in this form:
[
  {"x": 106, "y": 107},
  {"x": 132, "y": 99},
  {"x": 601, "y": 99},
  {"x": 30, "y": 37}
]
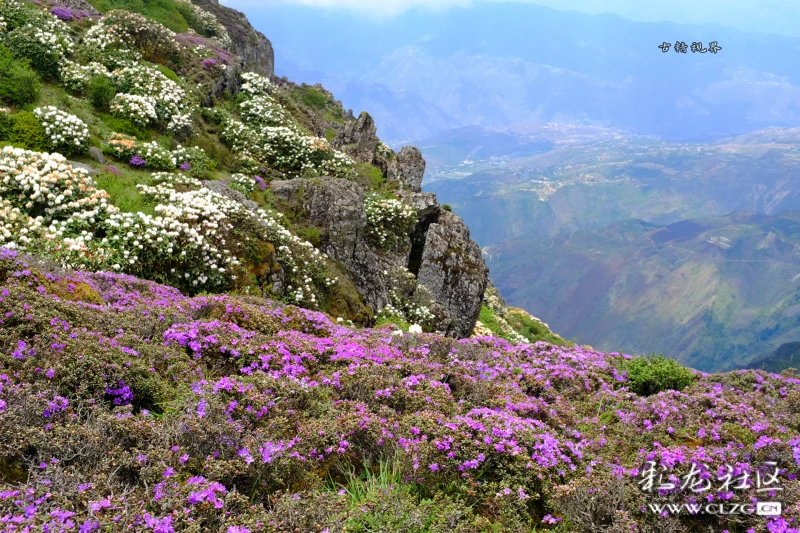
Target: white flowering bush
[
  {"x": 242, "y": 183},
  {"x": 267, "y": 135},
  {"x": 389, "y": 221},
  {"x": 3, "y": 25},
  {"x": 110, "y": 45},
  {"x": 196, "y": 240},
  {"x": 58, "y": 205},
  {"x": 76, "y": 77},
  {"x": 122, "y": 38},
  {"x": 65, "y": 133},
  {"x": 149, "y": 82},
  {"x": 209, "y": 25},
  {"x": 45, "y": 42},
  {"x": 180, "y": 124},
  {"x": 191, "y": 159},
  {"x": 254, "y": 84},
  {"x": 139, "y": 109},
  {"x": 156, "y": 156},
  {"x": 262, "y": 110}
]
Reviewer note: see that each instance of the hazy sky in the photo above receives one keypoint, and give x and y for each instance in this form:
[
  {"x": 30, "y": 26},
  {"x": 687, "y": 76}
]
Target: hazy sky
[{"x": 773, "y": 16}]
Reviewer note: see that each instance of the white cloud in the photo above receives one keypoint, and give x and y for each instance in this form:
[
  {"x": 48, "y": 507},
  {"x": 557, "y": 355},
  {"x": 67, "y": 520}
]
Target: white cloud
[{"x": 371, "y": 7}]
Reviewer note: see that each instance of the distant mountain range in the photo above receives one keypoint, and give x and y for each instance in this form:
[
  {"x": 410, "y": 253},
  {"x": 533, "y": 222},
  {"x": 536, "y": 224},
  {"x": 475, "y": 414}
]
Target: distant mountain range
[
  {"x": 501, "y": 65},
  {"x": 637, "y": 244},
  {"x": 714, "y": 293}
]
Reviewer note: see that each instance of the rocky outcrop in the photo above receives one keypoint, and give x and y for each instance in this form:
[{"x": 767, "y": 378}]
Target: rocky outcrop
[
  {"x": 80, "y": 6},
  {"x": 250, "y": 45},
  {"x": 221, "y": 188},
  {"x": 453, "y": 270},
  {"x": 407, "y": 168},
  {"x": 358, "y": 139},
  {"x": 336, "y": 206}
]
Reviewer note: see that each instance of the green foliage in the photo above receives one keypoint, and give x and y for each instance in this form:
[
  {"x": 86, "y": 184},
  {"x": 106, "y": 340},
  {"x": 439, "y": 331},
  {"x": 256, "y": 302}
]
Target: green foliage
[
  {"x": 533, "y": 330},
  {"x": 447, "y": 207},
  {"x": 123, "y": 125},
  {"x": 654, "y": 374},
  {"x": 101, "y": 92},
  {"x": 169, "y": 73},
  {"x": 22, "y": 130},
  {"x": 44, "y": 58},
  {"x": 313, "y": 97},
  {"x": 19, "y": 84},
  {"x": 171, "y": 14},
  {"x": 369, "y": 176},
  {"x": 122, "y": 188}
]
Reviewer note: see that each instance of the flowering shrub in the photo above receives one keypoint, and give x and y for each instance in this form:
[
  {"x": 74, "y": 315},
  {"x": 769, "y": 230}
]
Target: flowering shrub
[
  {"x": 157, "y": 157},
  {"x": 268, "y": 136},
  {"x": 262, "y": 110},
  {"x": 389, "y": 221},
  {"x": 45, "y": 42},
  {"x": 76, "y": 77},
  {"x": 123, "y": 146},
  {"x": 242, "y": 183},
  {"x": 197, "y": 239},
  {"x": 180, "y": 125},
  {"x": 254, "y": 84},
  {"x": 191, "y": 159},
  {"x": 149, "y": 82},
  {"x": 213, "y": 404},
  {"x": 122, "y": 36},
  {"x": 66, "y": 133},
  {"x": 139, "y": 109}
]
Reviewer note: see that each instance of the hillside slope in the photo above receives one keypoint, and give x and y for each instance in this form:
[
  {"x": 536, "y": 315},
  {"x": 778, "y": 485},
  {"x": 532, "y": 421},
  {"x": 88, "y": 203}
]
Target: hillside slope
[
  {"x": 189, "y": 251},
  {"x": 714, "y": 293},
  {"x": 298, "y": 199}
]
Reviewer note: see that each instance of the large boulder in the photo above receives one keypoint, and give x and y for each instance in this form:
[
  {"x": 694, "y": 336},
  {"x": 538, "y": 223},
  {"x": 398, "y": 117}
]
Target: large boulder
[
  {"x": 336, "y": 206},
  {"x": 250, "y": 45},
  {"x": 453, "y": 270},
  {"x": 408, "y": 168},
  {"x": 222, "y": 189}
]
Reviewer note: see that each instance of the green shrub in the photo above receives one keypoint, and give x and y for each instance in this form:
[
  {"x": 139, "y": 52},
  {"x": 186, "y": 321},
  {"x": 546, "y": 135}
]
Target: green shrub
[
  {"x": 23, "y": 130},
  {"x": 101, "y": 92},
  {"x": 169, "y": 73},
  {"x": 651, "y": 375},
  {"x": 168, "y": 12},
  {"x": 313, "y": 97},
  {"x": 447, "y": 207},
  {"x": 45, "y": 58},
  {"x": 123, "y": 125},
  {"x": 19, "y": 84}
]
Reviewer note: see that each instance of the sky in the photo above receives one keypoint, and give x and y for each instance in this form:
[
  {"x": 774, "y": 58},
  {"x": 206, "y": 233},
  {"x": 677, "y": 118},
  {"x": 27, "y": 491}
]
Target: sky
[{"x": 771, "y": 16}]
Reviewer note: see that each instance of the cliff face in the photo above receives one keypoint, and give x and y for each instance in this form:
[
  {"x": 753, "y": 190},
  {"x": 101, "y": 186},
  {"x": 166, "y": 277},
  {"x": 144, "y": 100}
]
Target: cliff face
[
  {"x": 250, "y": 45},
  {"x": 449, "y": 271}
]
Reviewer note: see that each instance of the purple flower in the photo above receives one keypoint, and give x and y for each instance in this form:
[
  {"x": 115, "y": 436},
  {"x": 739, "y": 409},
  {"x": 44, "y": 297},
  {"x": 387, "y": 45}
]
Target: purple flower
[
  {"x": 138, "y": 161},
  {"x": 112, "y": 169},
  {"x": 208, "y": 63},
  {"x": 122, "y": 395},
  {"x": 186, "y": 166},
  {"x": 63, "y": 12},
  {"x": 261, "y": 183}
]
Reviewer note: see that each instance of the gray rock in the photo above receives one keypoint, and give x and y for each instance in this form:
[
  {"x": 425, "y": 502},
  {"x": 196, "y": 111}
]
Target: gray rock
[
  {"x": 222, "y": 189},
  {"x": 83, "y": 166},
  {"x": 358, "y": 139},
  {"x": 250, "y": 45},
  {"x": 408, "y": 168},
  {"x": 81, "y": 5},
  {"x": 453, "y": 270},
  {"x": 97, "y": 154},
  {"x": 337, "y": 207}
]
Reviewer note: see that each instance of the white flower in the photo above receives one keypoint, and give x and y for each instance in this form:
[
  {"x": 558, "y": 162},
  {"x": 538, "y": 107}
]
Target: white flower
[{"x": 415, "y": 329}]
